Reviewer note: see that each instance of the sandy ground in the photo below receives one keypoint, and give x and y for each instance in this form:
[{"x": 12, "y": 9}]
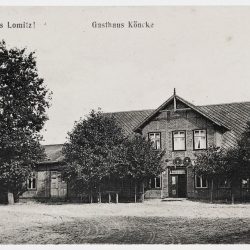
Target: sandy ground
[{"x": 170, "y": 222}]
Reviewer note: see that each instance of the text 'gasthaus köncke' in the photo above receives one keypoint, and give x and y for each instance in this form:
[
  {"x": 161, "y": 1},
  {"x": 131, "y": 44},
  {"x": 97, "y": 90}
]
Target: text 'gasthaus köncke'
[{"x": 121, "y": 25}]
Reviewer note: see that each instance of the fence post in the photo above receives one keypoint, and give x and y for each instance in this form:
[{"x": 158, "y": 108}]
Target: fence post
[
  {"x": 212, "y": 190},
  {"x": 10, "y": 198},
  {"x": 135, "y": 192},
  {"x": 109, "y": 198}
]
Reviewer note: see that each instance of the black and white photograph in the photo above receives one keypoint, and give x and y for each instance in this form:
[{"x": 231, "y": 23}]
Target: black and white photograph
[{"x": 124, "y": 125}]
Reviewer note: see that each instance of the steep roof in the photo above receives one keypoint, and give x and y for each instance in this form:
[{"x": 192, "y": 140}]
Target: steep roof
[
  {"x": 53, "y": 152},
  {"x": 230, "y": 115},
  {"x": 129, "y": 120}
]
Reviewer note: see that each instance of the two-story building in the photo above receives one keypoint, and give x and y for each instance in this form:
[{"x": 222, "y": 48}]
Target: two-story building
[{"x": 182, "y": 129}]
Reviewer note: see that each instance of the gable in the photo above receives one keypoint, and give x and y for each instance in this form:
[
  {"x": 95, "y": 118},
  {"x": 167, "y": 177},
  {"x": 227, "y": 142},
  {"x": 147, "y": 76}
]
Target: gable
[
  {"x": 174, "y": 105},
  {"x": 179, "y": 105}
]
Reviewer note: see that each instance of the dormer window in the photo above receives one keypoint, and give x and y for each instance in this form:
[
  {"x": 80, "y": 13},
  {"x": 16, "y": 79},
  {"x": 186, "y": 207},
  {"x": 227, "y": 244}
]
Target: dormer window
[
  {"x": 200, "y": 139},
  {"x": 156, "y": 139}
]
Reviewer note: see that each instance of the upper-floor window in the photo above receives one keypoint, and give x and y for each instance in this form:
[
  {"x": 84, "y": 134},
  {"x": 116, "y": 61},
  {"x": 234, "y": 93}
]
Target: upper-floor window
[
  {"x": 31, "y": 183},
  {"x": 200, "y": 139},
  {"x": 179, "y": 140},
  {"x": 156, "y": 139},
  {"x": 200, "y": 182}
]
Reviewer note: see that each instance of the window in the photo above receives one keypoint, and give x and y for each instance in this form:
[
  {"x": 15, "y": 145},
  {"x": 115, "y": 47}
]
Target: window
[
  {"x": 156, "y": 139},
  {"x": 32, "y": 181},
  {"x": 179, "y": 140},
  {"x": 224, "y": 183},
  {"x": 200, "y": 139},
  {"x": 155, "y": 182},
  {"x": 200, "y": 182},
  {"x": 245, "y": 183}
]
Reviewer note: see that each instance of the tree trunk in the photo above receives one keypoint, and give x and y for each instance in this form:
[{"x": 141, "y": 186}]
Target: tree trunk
[
  {"x": 232, "y": 198},
  {"x": 232, "y": 192},
  {"x": 135, "y": 191},
  {"x": 99, "y": 195},
  {"x": 212, "y": 190},
  {"x": 91, "y": 196},
  {"x": 142, "y": 195},
  {"x": 10, "y": 198},
  {"x": 233, "y": 184}
]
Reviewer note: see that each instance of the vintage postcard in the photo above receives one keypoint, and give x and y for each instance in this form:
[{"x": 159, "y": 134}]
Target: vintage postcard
[{"x": 124, "y": 125}]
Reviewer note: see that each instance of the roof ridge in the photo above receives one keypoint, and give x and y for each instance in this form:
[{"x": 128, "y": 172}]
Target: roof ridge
[
  {"x": 203, "y": 105},
  {"x": 126, "y": 111},
  {"x": 222, "y": 103}
]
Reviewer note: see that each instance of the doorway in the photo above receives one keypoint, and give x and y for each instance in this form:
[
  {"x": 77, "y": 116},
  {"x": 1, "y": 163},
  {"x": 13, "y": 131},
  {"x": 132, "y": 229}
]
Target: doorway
[
  {"x": 58, "y": 187},
  {"x": 178, "y": 186}
]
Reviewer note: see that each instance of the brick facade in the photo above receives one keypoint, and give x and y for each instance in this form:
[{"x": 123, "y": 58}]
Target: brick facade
[
  {"x": 183, "y": 118},
  {"x": 170, "y": 120}
]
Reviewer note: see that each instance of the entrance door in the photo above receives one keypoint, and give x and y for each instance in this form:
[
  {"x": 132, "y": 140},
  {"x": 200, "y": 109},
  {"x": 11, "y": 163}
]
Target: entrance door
[
  {"x": 174, "y": 186},
  {"x": 54, "y": 184},
  {"x": 178, "y": 186},
  {"x": 58, "y": 187},
  {"x": 182, "y": 186}
]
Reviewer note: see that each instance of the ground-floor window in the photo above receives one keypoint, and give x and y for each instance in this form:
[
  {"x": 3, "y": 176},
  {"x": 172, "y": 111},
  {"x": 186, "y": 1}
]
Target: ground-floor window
[
  {"x": 31, "y": 183},
  {"x": 245, "y": 183},
  {"x": 200, "y": 182},
  {"x": 155, "y": 182}
]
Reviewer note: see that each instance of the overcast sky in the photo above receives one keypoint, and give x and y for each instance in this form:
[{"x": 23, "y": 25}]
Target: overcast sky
[{"x": 204, "y": 52}]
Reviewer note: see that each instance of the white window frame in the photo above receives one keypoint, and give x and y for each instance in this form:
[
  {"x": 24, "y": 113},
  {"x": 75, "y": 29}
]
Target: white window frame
[
  {"x": 201, "y": 181},
  {"x": 155, "y": 137},
  {"x": 200, "y": 136},
  {"x": 177, "y": 135},
  {"x": 32, "y": 182},
  {"x": 155, "y": 182}
]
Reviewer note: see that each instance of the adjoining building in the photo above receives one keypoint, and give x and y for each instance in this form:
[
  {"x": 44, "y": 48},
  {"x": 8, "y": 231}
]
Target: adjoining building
[{"x": 177, "y": 126}]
